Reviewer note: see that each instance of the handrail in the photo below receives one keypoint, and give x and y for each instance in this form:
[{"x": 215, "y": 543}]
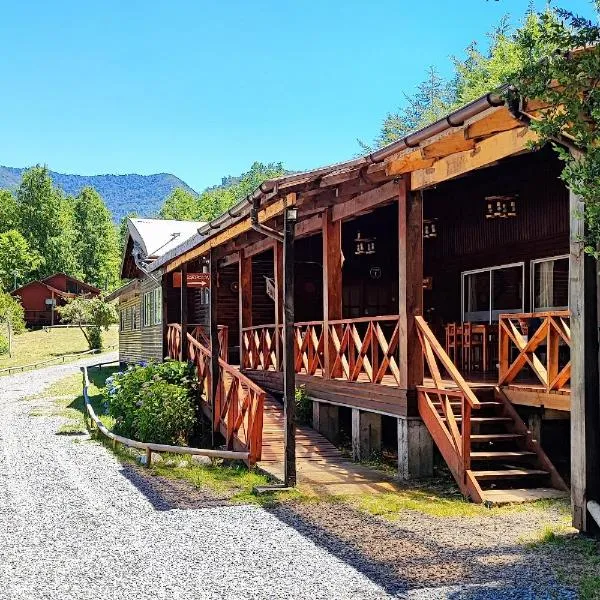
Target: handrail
[
  {"x": 364, "y": 319},
  {"x": 433, "y": 347},
  {"x": 150, "y": 447}
]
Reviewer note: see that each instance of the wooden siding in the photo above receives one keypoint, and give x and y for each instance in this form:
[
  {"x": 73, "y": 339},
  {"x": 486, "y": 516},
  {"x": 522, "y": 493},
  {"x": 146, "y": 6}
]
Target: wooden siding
[{"x": 130, "y": 340}]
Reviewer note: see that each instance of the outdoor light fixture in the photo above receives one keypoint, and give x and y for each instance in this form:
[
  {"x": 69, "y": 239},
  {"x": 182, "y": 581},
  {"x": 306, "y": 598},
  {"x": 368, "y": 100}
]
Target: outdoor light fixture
[
  {"x": 292, "y": 213},
  {"x": 500, "y": 207},
  {"x": 363, "y": 245},
  {"x": 429, "y": 228}
]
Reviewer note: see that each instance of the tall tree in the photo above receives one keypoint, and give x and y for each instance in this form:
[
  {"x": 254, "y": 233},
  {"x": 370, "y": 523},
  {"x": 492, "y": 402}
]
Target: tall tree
[
  {"x": 96, "y": 240},
  {"x": 180, "y": 205},
  {"x": 46, "y": 221},
  {"x": 8, "y": 210},
  {"x": 18, "y": 262}
]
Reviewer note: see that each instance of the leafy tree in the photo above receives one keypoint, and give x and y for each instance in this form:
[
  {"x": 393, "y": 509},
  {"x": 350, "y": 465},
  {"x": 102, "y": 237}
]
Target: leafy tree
[
  {"x": 91, "y": 315},
  {"x": 46, "y": 221},
  {"x": 122, "y": 230},
  {"x": 567, "y": 80},
  {"x": 8, "y": 210},
  {"x": 180, "y": 205},
  {"x": 12, "y": 316},
  {"x": 96, "y": 243},
  {"x": 17, "y": 260}
]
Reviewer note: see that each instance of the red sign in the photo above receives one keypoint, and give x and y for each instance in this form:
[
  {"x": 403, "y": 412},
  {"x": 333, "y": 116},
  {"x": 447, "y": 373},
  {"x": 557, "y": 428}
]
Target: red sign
[{"x": 194, "y": 280}]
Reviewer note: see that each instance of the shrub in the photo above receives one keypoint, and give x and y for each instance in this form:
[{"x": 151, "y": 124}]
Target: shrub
[
  {"x": 153, "y": 402},
  {"x": 303, "y": 406}
]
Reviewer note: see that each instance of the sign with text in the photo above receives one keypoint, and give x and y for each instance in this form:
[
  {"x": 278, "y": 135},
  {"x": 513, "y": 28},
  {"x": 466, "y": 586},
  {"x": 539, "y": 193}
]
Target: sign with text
[{"x": 194, "y": 280}]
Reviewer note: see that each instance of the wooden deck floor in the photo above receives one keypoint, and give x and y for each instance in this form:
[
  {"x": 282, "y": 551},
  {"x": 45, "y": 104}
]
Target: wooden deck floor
[{"x": 321, "y": 467}]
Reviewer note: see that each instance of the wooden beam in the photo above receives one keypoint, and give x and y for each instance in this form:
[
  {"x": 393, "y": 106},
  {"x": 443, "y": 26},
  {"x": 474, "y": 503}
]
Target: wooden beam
[
  {"x": 230, "y": 233},
  {"x": 183, "y": 307},
  {"x": 214, "y": 342},
  {"x": 332, "y": 280},
  {"x": 365, "y": 201},
  {"x": 450, "y": 144},
  {"x": 338, "y": 177},
  {"x": 538, "y": 398},
  {"x": 230, "y": 259},
  {"x": 258, "y": 247},
  {"x": 410, "y": 292},
  {"x": 585, "y": 480},
  {"x": 500, "y": 120},
  {"x": 245, "y": 297},
  {"x": 485, "y": 152},
  {"x": 408, "y": 162},
  {"x": 309, "y": 226}
]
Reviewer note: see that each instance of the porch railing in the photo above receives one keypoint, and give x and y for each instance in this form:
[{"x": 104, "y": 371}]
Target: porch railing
[
  {"x": 535, "y": 344},
  {"x": 446, "y": 406},
  {"x": 238, "y": 405},
  {"x": 363, "y": 349},
  {"x": 199, "y": 333}
]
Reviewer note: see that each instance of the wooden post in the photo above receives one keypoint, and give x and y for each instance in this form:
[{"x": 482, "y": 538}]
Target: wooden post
[
  {"x": 585, "y": 419},
  {"x": 332, "y": 283},
  {"x": 245, "y": 299},
  {"x": 410, "y": 290},
  {"x": 214, "y": 340},
  {"x": 165, "y": 315},
  {"x": 289, "y": 372},
  {"x": 184, "y": 314},
  {"x": 278, "y": 277},
  {"x": 52, "y": 310}
]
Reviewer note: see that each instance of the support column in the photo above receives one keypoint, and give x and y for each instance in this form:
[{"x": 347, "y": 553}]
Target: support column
[
  {"x": 366, "y": 434},
  {"x": 165, "y": 314},
  {"x": 585, "y": 410},
  {"x": 278, "y": 278},
  {"x": 289, "y": 371},
  {"x": 214, "y": 341},
  {"x": 534, "y": 424},
  {"x": 183, "y": 348},
  {"x": 415, "y": 449},
  {"x": 332, "y": 282},
  {"x": 245, "y": 299},
  {"x": 410, "y": 291}
]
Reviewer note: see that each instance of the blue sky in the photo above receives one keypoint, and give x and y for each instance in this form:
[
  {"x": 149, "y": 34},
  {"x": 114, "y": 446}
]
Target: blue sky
[{"x": 202, "y": 89}]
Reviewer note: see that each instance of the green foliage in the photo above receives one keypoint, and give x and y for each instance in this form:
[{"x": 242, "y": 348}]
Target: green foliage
[
  {"x": 211, "y": 203},
  {"x": 3, "y": 344},
  {"x": 18, "y": 262},
  {"x": 96, "y": 243},
  {"x": 11, "y": 312},
  {"x": 573, "y": 100},
  {"x": 91, "y": 315},
  {"x": 303, "y": 406},
  {"x": 153, "y": 403},
  {"x": 8, "y": 210}
]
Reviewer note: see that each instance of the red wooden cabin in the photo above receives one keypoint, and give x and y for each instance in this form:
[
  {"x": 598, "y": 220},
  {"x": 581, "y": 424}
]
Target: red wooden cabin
[{"x": 40, "y": 298}]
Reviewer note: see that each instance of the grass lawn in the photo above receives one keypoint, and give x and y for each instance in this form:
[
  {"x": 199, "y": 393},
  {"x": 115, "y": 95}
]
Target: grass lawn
[{"x": 36, "y": 346}]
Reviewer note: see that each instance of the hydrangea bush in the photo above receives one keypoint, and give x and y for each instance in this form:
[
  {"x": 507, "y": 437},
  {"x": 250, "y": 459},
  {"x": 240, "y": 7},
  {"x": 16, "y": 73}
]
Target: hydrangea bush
[{"x": 153, "y": 402}]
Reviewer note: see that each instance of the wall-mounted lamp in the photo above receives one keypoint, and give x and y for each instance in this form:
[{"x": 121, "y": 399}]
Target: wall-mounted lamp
[{"x": 292, "y": 213}]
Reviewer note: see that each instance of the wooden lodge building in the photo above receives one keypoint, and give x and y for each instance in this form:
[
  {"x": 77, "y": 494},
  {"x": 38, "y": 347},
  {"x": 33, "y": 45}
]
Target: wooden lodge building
[
  {"x": 442, "y": 299},
  {"x": 39, "y": 298}
]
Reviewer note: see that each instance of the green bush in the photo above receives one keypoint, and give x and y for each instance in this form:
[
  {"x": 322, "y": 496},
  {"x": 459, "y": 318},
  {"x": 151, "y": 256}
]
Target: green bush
[
  {"x": 303, "y": 406},
  {"x": 95, "y": 338},
  {"x": 3, "y": 345},
  {"x": 153, "y": 402}
]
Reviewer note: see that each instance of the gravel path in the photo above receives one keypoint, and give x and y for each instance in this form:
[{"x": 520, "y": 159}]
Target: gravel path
[{"x": 74, "y": 523}]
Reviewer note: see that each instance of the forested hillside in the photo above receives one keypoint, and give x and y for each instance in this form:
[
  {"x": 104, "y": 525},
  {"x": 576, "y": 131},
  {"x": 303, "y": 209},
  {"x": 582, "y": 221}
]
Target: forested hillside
[{"x": 123, "y": 194}]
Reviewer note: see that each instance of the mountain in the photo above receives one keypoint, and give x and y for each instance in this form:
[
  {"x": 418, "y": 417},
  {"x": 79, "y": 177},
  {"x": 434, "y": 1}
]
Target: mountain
[{"x": 123, "y": 194}]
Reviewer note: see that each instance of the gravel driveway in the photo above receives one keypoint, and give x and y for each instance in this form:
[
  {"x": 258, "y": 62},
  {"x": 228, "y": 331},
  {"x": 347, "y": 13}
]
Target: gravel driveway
[{"x": 74, "y": 523}]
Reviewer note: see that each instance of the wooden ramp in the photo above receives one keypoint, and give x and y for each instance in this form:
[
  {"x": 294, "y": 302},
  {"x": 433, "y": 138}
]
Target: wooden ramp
[{"x": 321, "y": 467}]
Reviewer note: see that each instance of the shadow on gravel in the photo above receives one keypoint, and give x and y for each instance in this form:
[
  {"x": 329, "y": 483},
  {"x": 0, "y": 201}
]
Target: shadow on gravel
[
  {"x": 406, "y": 564},
  {"x": 169, "y": 494}
]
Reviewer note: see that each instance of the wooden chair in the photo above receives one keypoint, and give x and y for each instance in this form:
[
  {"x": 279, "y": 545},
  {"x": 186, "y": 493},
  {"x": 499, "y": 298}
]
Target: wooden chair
[
  {"x": 454, "y": 343},
  {"x": 475, "y": 347}
]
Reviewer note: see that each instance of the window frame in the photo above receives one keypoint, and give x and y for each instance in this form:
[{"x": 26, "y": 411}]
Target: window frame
[
  {"x": 491, "y": 312},
  {"x": 537, "y": 261}
]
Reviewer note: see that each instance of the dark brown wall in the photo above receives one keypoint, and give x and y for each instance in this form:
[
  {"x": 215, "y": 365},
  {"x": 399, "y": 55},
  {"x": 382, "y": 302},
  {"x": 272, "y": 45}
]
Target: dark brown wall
[
  {"x": 467, "y": 240},
  {"x": 263, "y": 308}
]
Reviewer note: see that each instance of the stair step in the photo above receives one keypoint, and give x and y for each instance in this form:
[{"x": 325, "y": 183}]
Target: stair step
[
  {"x": 485, "y": 419},
  {"x": 508, "y": 474},
  {"x": 495, "y": 437},
  {"x": 501, "y": 455},
  {"x": 499, "y": 497}
]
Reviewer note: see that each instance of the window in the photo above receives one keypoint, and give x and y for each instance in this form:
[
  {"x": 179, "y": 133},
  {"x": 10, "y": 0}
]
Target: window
[
  {"x": 487, "y": 293},
  {"x": 122, "y": 319},
  {"x": 157, "y": 306},
  {"x": 550, "y": 283},
  {"x": 147, "y": 315},
  {"x": 135, "y": 317}
]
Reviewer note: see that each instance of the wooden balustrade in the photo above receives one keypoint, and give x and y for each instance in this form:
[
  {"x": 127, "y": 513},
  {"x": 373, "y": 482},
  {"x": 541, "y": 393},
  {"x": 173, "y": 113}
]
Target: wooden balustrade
[
  {"x": 173, "y": 340},
  {"x": 200, "y": 334},
  {"x": 363, "y": 349},
  {"x": 451, "y": 430},
  {"x": 525, "y": 337}
]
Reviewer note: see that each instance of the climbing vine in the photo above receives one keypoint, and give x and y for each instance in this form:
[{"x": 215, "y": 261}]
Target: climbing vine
[{"x": 562, "y": 73}]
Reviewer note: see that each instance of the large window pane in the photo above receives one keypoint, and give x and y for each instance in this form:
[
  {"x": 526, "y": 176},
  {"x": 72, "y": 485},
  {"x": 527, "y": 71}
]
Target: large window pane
[
  {"x": 507, "y": 290},
  {"x": 477, "y": 296},
  {"x": 551, "y": 284}
]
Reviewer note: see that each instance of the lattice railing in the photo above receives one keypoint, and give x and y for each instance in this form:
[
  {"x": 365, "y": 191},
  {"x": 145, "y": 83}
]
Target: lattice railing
[
  {"x": 259, "y": 348},
  {"x": 537, "y": 344}
]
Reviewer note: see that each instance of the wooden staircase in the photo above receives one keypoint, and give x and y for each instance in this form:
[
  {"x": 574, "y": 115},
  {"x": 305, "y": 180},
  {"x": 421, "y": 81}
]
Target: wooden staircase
[{"x": 487, "y": 446}]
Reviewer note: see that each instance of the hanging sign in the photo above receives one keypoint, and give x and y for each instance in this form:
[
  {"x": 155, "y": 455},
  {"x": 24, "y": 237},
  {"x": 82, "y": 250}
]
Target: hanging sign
[{"x": 194, "y": 280}]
